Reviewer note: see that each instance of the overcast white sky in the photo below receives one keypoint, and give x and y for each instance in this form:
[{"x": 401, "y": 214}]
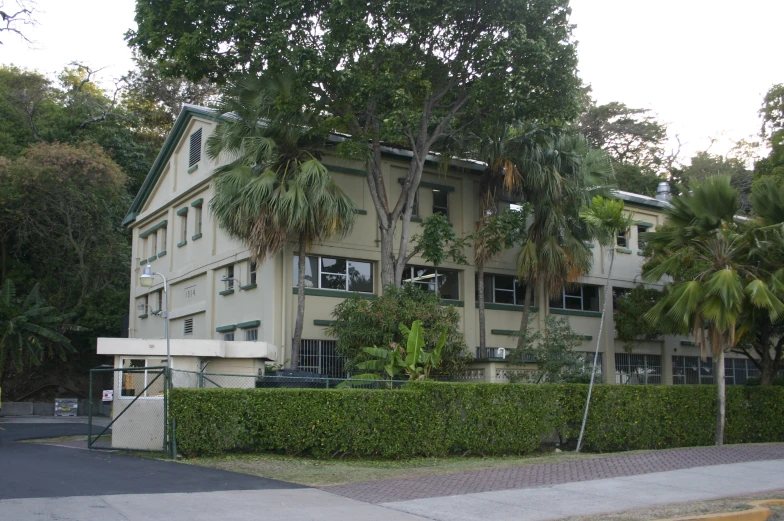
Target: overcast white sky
[{"x": 702, "y": 65}]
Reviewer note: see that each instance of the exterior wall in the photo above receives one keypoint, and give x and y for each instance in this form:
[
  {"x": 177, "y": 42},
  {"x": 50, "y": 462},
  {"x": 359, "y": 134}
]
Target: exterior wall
[{"x": 195, "y": 268}]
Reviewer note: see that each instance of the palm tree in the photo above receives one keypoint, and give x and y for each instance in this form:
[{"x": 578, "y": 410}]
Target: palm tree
[
  {"x": 701, "y": 228},
  {"x": 275, "y": 190},
  {"x": 28, "y": 330},
  {"x": 606, "y": 220},
  {"x": 558, "y": 180}
]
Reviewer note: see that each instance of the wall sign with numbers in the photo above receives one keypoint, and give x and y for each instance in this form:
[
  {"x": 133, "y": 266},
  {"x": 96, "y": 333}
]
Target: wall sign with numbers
[{"x": 190, "y": 292}]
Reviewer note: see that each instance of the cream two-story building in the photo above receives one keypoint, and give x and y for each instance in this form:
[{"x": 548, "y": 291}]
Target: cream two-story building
[{"x": 218, "y": 294}]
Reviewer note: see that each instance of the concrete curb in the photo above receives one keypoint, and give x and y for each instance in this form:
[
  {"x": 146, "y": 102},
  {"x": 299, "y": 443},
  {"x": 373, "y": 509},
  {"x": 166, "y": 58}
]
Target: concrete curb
[{"x": 757, "y": 513}]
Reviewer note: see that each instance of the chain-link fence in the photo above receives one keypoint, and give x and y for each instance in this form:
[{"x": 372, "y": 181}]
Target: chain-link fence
[
  {"x": 139, "y": 397},
  {"x": 195, "y": 379}
]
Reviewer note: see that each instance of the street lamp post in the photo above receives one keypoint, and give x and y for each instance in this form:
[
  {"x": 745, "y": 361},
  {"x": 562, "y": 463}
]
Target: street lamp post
[{"x": 147, "y": 280}]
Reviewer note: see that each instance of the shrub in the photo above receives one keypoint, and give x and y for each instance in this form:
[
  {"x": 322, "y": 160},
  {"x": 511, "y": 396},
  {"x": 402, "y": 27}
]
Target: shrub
[{"x": 436, "y": 419}]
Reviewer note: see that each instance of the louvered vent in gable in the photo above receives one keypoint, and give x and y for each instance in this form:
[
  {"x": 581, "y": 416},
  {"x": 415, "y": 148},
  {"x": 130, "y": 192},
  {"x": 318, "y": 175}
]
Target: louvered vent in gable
[
  {"x": 188, "y": 326},
  {"x": 195, "y": 148}
]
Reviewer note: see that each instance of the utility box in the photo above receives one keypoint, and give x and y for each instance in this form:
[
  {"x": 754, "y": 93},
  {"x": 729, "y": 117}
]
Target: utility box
[{"x": 66, "y": 406}]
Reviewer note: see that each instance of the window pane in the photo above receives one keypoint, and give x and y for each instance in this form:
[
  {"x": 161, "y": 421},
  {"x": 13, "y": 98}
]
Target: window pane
[
  {"x": 360, "y": 276},
  {"x": 590, "y": 298},
  {"x": 503, "y": 296},
  {"x": 488, "y": 289},
  {"x": 504, "y": 282},
  {"x": 311, "y": 272},
  {"x": 329, "y": 281},
  {"x": 556, "y": 301},
  {"x": 575, "y": 303},
  {"x": 333, "y": 265},
  {"x": 424, "y": 278},
  {"x": 440, "y": 202},
  {"x": 448, "y": 285},
  {"x": 520, "y": 294}
]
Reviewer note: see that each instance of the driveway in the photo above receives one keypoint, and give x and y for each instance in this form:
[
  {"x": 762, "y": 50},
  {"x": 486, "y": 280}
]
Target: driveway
[{"x": 32, "y": 470}]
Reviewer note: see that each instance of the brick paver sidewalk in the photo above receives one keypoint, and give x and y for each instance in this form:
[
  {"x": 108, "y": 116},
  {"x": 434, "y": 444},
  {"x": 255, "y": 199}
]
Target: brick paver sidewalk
[{"x": 554, "y": 473}]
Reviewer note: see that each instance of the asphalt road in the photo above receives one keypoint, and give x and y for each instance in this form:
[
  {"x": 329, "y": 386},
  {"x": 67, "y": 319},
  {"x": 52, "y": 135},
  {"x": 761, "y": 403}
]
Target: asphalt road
[{"x": 30, "y": 470}]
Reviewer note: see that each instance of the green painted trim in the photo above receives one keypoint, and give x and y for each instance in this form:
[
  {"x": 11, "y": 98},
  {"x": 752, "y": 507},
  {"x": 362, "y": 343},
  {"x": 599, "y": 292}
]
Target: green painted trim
[
  {"x": 182, "y": 243},
  {"x": 641, "y": 254},
  {"x": 687, "y": 343},
  {"x": 585, "y": 337},
  {"x": 143, "y": 316},
  {"x": 645, "y": 224},
  {"x": 250, "y": 323},
  {"x": 456, "y": 303},
  {"x": 193, "y": 168},
  {"x": 182, "y": 122},
  {"x": 226, "y": 292},
  {"x": 316, "y": 292},
  {"x": 504, "y": 332},
  {"x": 346, "y": 170},
  {"x": 427, "y": 184},
  {"x": 142, "y": 262},
  {"x": 574, "y": 312},
  {"x": 162, "y": 254},
  {"x": 224, "y": 329},
  {"x": 626, "y": 251},
  {"x": 416, "y": 219},
  {"x": 196, "y": 237},
  {"x": 505, "y": 307},
  {"x": 155, "y": 228},
  {"x": 248, "y": 286},
  {"x": 152, "y": 258},
  {"x": 198, "y": 202},
  {"x": 589, "y": 245},
  {"x": 182, "y": 211},
  {"x": 323, "y": 322},
  {"x": 360, "y": 212}
]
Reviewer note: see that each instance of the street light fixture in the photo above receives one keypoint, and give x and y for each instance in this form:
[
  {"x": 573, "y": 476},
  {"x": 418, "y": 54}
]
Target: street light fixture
[{"x": 147, "y": 280}]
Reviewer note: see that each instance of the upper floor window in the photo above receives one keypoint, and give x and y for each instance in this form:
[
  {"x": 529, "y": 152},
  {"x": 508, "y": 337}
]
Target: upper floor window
[
  {"x": 153, "y": 238},
  {"x": 162, "y": 232},
  {"x": 252, "y": 272},
  {"x": 441, "y": 202},
  {"x": 441, "y": 281},
  {"x": 336, "y": 273},
  {"x": 184, "y": 227},
  {"x": 622, "y": 240},
  {"x": 198, "y": 220},
  {"x": 641, "y": 243},
  {"x": 230, "y": 276},
  {"x": 195, "y": 152},
  {"x": 581, "y": 298},
  {"x": 252, "y": 335},
  {"x": 504, "y": 289}
]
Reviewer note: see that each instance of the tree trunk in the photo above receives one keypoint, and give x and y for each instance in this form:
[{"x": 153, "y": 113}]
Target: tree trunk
[
  {"x": 767, "y": 374},
  {"x": 722, "y": 395},
  {"x": 526, "y": 312},
  {"x": 480, "y": 266},
  {"x": 387, "y": 258},
  {"x": 607, "y": 291},
  {"x": 295, "y": 343},
  {"x": 4, "y": 247}
]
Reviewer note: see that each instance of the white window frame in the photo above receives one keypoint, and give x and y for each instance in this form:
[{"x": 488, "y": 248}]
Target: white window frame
[
  {"x": 139, "y": 372},
  {"x": 640, "y": 230},
  {"x": 345, "y": 275},
  {"x": 513, "y": 291},
  {"x": 252, "y": 271},
  {"x": 564, "y": 296},
  {"x": 412, "y": 267},
  {"x": 230, "y": 276},
  {"x": 198, "y": 223},
  {"x": 227, "y": 335},
  {"x": 254, "y": 331}
]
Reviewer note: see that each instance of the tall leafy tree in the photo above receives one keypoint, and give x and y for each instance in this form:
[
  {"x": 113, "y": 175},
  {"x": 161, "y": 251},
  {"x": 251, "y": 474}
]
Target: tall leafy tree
[
  {"x": 702, "y": 229},
  {"x": 606, "y": 220},
  {"x": 275, "y": 190},
  {"x": 30, "y": 331},
  {"x": 411, "y": 74}
]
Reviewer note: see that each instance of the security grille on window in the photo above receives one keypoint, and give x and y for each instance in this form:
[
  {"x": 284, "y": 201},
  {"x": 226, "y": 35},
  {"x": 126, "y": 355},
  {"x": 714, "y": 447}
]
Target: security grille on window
[
  {"x": 445, "y": 283},
  {"x": 582, "y": 298},
  {"x": 737, "y": 371},
  {"x": 320, "y": 356},
  {"x": 504, "y": 289},
  {"x": 252, "y": 335},
  {"x": 195, "y": 155},
  {"x": 337, "y": 274},
  {"x": 252, "y": 272},
  {"x": 188, "y": 328},
  {"x": 441, "y": 202},
  {"x": 228, "y": 337},
  {"x": 637, "y": 369},
  {"x": 691, "y": 370}
]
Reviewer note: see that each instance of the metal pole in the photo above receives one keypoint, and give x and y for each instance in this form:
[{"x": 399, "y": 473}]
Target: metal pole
[
  {"x": 90, "y": 414},
  {"x": 166, "y": 317}
]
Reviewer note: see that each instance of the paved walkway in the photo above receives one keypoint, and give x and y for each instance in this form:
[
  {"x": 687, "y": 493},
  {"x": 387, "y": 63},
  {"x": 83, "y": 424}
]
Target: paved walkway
[{"x": 555, "y": 473}]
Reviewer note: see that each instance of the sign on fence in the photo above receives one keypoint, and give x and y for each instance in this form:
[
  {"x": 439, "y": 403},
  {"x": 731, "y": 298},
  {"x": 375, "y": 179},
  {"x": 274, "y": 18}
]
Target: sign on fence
[{"x": 108, "y": 395}]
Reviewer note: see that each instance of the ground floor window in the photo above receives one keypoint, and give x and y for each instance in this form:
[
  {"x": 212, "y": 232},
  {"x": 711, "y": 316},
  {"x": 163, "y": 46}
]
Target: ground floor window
[
  {"x": 737, "y": 371},
  {"x": 691, "y": 370},
  {"x": 637, "y": 369},
  {"x": 138, "y": 376},
  {"x": 319, "y": 356},
  {"x": 445, "y": 283}
]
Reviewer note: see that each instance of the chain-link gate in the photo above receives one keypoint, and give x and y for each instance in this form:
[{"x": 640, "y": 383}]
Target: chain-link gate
[{"x": 139, "y": 397}]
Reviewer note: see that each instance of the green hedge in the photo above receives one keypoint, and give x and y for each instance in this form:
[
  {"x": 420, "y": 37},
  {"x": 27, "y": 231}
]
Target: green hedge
[{"x": 435, "y": 419}]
